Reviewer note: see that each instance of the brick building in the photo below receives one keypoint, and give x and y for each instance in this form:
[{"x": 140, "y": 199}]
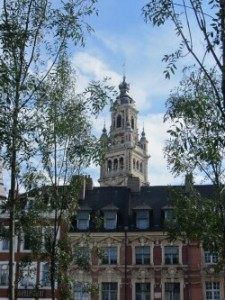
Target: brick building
[{"x": 118, "y": 235}]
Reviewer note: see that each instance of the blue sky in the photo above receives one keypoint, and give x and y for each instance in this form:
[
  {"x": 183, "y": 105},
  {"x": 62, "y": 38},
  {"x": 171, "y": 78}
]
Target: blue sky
[{"x": 122, "y": 37}]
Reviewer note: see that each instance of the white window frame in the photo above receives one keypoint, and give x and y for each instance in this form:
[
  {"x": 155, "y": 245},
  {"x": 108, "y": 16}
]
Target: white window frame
[
  {"x": 83, "y": 219},
  {"x": 108, "y": 255},
  {"x": 143, "y": 255},
  {"x": 210, "y": 258},
  {"x": 22, "y": 245},
  {"x": 171, "y": 283},
  {"x": 172, "y": 254},
  {"x": 213, "y": 290},
  {"x": 30, "y": 272},
  {"x": 81, "y": 294},
  {"x": 110, "y": 219},
  {"x": 142, "y": 219},
  {"x": 6, "y": 265},
  {"x": 143, "y": 295},
  {"x": 42, "y": 271},
  {"x": 3, "y": 240},
  {"x": 117, "y": 290}
]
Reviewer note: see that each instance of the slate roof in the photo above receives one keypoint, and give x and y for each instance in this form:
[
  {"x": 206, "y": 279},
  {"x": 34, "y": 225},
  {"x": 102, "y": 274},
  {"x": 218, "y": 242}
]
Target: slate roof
[{"x": 154, "y": 198}]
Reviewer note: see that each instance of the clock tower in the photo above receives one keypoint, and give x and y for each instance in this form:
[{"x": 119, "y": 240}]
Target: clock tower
[{"x": 126, "y": 155}]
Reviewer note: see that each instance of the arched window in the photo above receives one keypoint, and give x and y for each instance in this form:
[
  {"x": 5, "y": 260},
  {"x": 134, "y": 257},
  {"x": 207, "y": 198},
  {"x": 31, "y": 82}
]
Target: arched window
[
  {"x": 118, "y": 121},
  {"x": 109, "y": 167},
  {"x": 137, "y": 165},
  {"x": 141, "y": 167},
  {"x": 121, "y": 163},
  {"x": 115, "y": 164},
  {"x": 134, "y": 164},
  {"x": 132, "y": 122}
]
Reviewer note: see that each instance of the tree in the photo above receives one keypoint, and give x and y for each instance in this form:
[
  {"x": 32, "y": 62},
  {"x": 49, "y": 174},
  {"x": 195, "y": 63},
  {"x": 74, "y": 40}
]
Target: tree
[
  {"x": 66, "y": 145},
  {"x": 196, "y": 146},
  {"x": 33, "y": 33},
  {"x": 197, "y": 112},
  {"x": 195, "y": 22}
]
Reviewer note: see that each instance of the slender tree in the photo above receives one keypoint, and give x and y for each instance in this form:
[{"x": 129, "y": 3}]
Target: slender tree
[
  {"x": 32, "y": 35},
  {"x": 194, "y": 21}
]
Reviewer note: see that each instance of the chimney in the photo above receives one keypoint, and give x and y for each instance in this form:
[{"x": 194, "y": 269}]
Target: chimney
[
  {"x": 134, "y": 183},
  {"x": 188, "y": 182},
  {"x": 89, "y": 183}
]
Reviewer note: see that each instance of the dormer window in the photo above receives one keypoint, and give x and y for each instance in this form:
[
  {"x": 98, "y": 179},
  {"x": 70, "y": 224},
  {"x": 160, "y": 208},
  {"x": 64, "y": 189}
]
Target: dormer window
[
  {"x": 83, "y": 219},
  {"x": 168, "y": 213},
  {"x": 110, "y": 219},
  {"x": 142, "y": 219},
  {"x": 142, "y": 213}
]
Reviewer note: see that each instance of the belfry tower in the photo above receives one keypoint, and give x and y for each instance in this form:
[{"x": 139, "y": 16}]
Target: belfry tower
[{"x": 127, "y": 155}]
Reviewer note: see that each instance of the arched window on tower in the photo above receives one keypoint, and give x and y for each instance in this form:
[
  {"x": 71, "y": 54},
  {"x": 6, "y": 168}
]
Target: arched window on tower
[
  {"x": 118, "y": 121},
  {"x": 141, "y": 167},
  {"x": 109, "y": 167},
  {"x": 121, "y": 163},
  {"x": 132, "y": 122},
  {"x": 137, "y": 165},
  {"x": 134, "y": 164},
  {"x": 115, "y": 164}
]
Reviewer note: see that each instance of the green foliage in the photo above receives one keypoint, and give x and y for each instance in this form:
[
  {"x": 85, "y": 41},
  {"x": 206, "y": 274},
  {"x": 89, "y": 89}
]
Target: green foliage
[
  {"x": 196, "y": 132},
  {"x": 199, "y": 219}
]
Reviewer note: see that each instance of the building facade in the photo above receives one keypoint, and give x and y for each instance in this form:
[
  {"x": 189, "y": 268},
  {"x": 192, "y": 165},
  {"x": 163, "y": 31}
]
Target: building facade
[
  {"x": 118, "y": 241},
  {"x": 129, "y": 254}
]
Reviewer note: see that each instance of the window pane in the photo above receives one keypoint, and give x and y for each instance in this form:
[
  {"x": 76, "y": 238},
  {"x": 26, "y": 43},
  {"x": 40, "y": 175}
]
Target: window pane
[
  {"x": 212, "y": 290},
  {"x": 142, "y": 255},
  {"x": 110, "y": 255},
  {"x": 109, "y": 291},
  {"x": 142, "y": 291},
  {"x": 45, "y": 276},
  {"x": 172, "y": 291},
  {"x": 171, "y": 255},
  {"x": 4, "y": 269},
  {"x": 83, "y": 218},
  {"x": 142, "y": 219},
  {"x": 81, "y": 291},
  {"x": 110, "y": 219}
]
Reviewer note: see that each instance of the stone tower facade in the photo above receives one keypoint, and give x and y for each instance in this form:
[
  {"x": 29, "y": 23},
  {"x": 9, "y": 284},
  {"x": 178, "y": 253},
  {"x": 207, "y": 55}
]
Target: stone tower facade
[{"x": 127, "y": 155}]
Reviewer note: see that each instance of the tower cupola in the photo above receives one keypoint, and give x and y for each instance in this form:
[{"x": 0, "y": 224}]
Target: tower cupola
[{"x": 126, "y": 156}]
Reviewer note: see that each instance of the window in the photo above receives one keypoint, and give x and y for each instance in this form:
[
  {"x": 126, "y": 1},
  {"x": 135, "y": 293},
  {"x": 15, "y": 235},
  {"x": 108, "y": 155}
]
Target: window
[
  {"x": 82, "y": 257},
  {"x": 110, "y": 256},
  {"x": 4, "y": 273},
  {"x": 171, "y": 255},
  {"x": 211, "y": 258},
  {"x": 168, "y": 214},
  {"x": 81, "y": 291},
  {"x": 121, "y": 163},
  {"x": 109, "y": 167},
  {"x": 142, "y": 219},
  {"x": 132, "y": 122},
  {"x": 110, "y": 218},
  {"x": 172, "y": 291},
  {"x": 142, "y": 255},
  {"x": 109, "y": 291},
  {"x": 28, "y": 276},
  {"x": 45, "y": 275},
  {"x": 26, "y": 243},
  {"x": 142, "y": 291},
  {"x": 118, "y": 121},
  {"x": 4, "y": 239},
  {"x": 83, "y": 218},
  {"x": 115, "y": 164},
  {"x": 212, "y": 290}
]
